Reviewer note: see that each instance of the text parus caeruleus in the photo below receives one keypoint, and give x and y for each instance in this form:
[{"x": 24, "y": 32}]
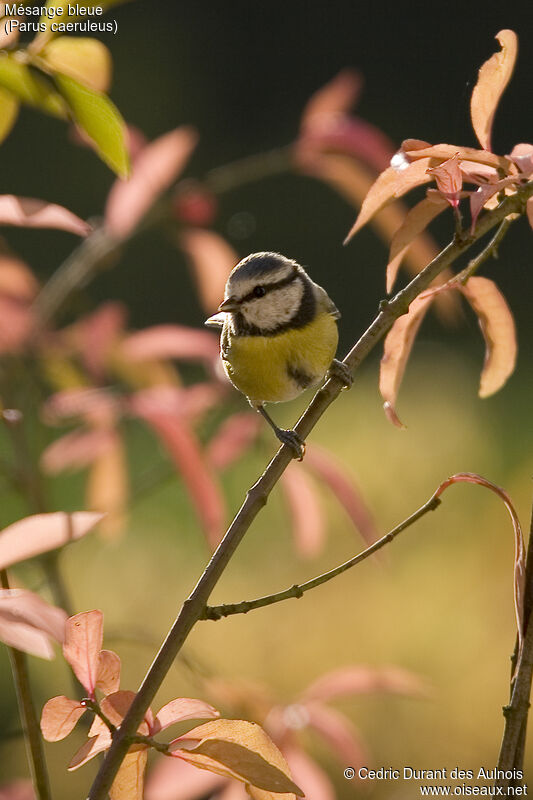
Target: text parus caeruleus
[{"x": 279, "y": 334}]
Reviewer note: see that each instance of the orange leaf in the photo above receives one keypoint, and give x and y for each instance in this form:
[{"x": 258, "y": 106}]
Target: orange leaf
[
  {"x": 211, "y": 260},
  {"x": 416, "y": 221},
  {"x": 30, "y": 213},
  {"x": 27, "y": 622},
  {"x": 449, "y": 178},
  {"x": 520, "y": 553},
  {"x": 40, "y": 533},
  {"x": 442, "y": 152},
  {"x": 494, "y": 75},
  {"x": 154, "y": 170},
  {"x": 90, "y": 749},
  {"x": 107, "y": 487},
  {"x": 83, "y": 642},
  {"x": 184, "y": 450},
  {"x": 307, "y": 517},
  {"x": 17, "y": 280},
  {"x": 182, "y": 708},
  {"x": 108, "y": 674},
  {"x": 330, "y": 472},
  {"x": 348, "y": 681},
  {"x": 498, "y": 328},
  {"x": 396, "y": 353},
  {"x": 59, "y": 716},
  {"x": 237, "y": 749},
  {"x": 174, "y": 779},
  {"x": 390, "y": 184},
  {"x": 129, "y": 781}
]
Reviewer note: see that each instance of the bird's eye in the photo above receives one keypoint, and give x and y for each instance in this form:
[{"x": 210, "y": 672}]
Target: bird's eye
[{"x": 259, "y": 291}]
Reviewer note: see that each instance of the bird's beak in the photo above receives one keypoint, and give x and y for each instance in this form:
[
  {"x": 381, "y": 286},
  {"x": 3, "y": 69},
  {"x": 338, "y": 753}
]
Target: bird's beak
[{"x": 229, "y": 304}]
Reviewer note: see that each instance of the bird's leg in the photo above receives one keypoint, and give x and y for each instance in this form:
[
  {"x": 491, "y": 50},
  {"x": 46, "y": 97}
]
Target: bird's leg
[
  {"x": 287, "y": 437},
  {"x": 339, "y": 370}
]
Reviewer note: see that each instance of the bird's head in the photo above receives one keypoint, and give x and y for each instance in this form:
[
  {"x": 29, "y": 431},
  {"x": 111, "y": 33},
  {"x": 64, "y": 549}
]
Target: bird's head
[{"x": 266, "y": 290}]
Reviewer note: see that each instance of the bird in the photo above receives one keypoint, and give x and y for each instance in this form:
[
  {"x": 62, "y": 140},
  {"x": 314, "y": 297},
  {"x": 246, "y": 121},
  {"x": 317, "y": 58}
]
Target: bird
[{"x": 278, "y": 335}]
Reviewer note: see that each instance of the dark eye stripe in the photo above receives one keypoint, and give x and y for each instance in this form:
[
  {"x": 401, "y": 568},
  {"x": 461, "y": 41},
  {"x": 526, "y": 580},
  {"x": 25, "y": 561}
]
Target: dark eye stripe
[{"x": 270, "y": 287}]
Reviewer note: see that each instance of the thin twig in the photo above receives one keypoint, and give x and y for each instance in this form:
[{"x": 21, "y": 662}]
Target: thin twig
[
  {"x": 512, "y": 748},
  {"x": 257, "y": 496},
  {"x": 298, "y": 590},
  {"x": 28, "y": 716},
  {"x": 491, "y": 250}
]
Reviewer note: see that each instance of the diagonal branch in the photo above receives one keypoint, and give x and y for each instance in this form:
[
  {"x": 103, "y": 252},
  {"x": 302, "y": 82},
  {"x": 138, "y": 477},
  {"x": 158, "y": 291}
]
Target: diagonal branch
[
  {"x": 298, "y": 590},
  {"x": 194, "y": 607}
]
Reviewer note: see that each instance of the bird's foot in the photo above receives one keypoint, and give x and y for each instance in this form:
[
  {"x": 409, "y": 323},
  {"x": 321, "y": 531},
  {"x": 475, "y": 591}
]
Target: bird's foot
[
  {"x": 292, "y": 440},
  {"x": 339, "y": 370}
]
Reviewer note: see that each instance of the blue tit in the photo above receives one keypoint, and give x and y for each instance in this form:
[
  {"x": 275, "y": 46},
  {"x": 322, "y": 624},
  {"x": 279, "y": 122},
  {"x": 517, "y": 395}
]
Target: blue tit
[{"x": 278, "y": 334}]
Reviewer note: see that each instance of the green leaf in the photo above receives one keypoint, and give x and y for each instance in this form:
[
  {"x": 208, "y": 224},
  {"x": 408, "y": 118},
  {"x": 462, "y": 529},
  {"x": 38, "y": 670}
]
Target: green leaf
[
  {"x": 29, "y": 86},
  {"x": 100, "y": 119},
  {"x": 86, "y": 60},
  {"x": 8, "y": 112}
]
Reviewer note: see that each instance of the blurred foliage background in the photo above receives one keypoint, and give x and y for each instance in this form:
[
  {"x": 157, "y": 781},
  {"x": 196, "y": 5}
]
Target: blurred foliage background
[{"x": 439, "y": 602}]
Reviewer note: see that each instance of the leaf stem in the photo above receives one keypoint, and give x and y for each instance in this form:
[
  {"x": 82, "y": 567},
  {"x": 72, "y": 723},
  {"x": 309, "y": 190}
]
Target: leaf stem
[
  {"x": 28, "y": 716},
  {"x": 298, "y": 590}
]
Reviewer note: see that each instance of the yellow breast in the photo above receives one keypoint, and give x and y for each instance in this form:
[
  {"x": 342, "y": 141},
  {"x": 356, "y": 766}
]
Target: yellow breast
[{"x": 272, "y": 369}]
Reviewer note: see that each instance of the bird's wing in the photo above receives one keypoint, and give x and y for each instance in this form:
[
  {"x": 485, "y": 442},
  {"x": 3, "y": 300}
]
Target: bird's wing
[
  {"x": 216, "y": 321},
  {"x": 325, "y": 303}
]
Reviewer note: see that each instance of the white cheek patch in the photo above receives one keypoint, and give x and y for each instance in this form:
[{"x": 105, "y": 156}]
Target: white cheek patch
[{"x": 276, "y": 308}]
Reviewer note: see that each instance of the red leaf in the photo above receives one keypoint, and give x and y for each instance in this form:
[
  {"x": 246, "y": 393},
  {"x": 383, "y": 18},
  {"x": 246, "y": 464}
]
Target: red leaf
[
  {"x": 338, "y": 96},
  {"x": 173, "y": 779},
  {"x": 494, "y": 75},
  {"x": 519, "y": 557},
  {"x": 498, "y": 328},
  {"x": 233, "y": 438},
  {"x": 339, "y": 733},
  {"x": 83, "y": 642},
  {"x": 484, "y": 193},
  {"x": 97, "y": 335},
  {"x": 334, "y": 475},
  {"x": 211, "y": 260},
  {"x": 108, "y": 673},
  {"x": 396, "y": 353},
  {"x": 170, "y": 341},
  {"x": 17, "y": 790},
  {"x": 16, "y": 324},
  {"x": 356, "y": 680},
  {"x": 76, "y": 450},
  {"x": 30, "y": 213},
  {"x": 96, "y": 405},
  {"x": 154, "y": 170},
  {"x": 182, "y": 708},
  {"x": 27, "y": 622},
  {"x": 189, "y": 403},
  {"x": 185, "y": 452},
  {"x": 449, "y": 179},
  {"x": 307, "y": 774},
  {"x": 40, "y": 533},
  {"x": 307, "y": 518},
  {"x": 59, "y": 717}
]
